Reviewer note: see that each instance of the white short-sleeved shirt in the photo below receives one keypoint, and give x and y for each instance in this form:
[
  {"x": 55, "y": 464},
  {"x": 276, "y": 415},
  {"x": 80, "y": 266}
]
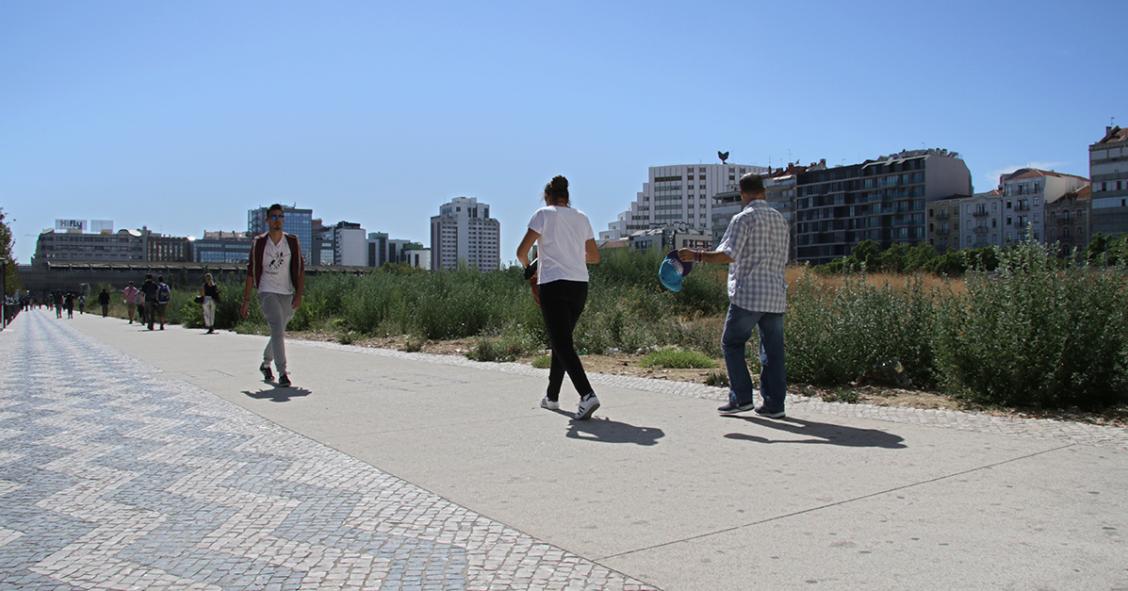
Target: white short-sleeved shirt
[
  {"x": 560, "y": 248},
  {"x": 276, "y": 268}
]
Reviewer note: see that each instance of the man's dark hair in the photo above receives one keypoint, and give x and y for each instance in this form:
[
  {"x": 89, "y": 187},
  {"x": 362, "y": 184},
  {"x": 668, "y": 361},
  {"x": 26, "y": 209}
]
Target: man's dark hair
[
  {"x": 148, "y": 275},
  {"x": 161, "y": 278},
  {"x": 752, "y": 184},
  {"x": 275, "y": 207}
]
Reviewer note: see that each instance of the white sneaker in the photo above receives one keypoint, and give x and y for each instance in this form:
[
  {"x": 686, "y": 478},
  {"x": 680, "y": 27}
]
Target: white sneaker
[
  {"x": 549, "y": 404},
  {"x": 587, "y": 406}
]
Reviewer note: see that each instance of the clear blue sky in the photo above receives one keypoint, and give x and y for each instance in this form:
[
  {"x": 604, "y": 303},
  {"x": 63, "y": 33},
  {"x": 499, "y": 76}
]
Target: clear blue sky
[{"x": 183, "y": 115}]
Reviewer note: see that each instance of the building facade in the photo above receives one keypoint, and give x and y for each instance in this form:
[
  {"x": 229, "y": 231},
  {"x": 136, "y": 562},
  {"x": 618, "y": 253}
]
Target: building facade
[
  {"x": 882, "y": 200},
  {"x": 1108, "y": 169},
  {"x": 464, "y": 232},
  {"x": 54, "y": 246},
  {"x": 298, "y": 222},
  {"x": 418, "y": 258},
  {"x": 342, "y": 244},
  {"x": 943, "y": 217},
  {"x": 166, "y": 249},
  {"x": 1026, "y": 192},
  {"x": 678, "y": 193},
  {"x": 1068, "y": 220},
  {"x": 981, "y": 220},
  {"x": 222, "y": 247}
]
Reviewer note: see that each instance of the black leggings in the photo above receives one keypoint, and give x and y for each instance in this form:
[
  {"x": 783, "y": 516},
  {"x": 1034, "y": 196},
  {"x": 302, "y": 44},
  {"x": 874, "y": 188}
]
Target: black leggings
[{"x": 562, "y": 302}]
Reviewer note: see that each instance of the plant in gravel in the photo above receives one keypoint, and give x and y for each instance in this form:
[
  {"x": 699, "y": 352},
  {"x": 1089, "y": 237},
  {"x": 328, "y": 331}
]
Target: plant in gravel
[{"x": 674, "y": 358}]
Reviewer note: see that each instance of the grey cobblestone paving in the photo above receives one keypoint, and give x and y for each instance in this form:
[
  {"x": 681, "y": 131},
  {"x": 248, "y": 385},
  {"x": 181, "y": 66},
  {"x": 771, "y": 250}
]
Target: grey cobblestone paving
[
  {"x": 1068, "y": 431},
  {"x": 112, "y": 477}
]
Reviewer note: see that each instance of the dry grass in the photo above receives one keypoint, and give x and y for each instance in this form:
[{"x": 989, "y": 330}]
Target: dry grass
[{"x": 899, "y": 281}]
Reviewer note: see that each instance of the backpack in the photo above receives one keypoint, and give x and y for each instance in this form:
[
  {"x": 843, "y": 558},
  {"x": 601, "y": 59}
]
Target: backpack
[{"x": 164, "y": 294}]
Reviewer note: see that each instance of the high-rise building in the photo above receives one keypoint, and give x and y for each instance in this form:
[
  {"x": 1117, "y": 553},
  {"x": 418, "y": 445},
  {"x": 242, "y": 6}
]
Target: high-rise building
[
  {"x": 881, "y": 200},
  {"x": 1108, "y": 169},
  {"x": 464, "y": 233},
  {"x": 678, "y": 193},
  {"x": 222, "y": 247},
  {"x": 298, "y": 222}
]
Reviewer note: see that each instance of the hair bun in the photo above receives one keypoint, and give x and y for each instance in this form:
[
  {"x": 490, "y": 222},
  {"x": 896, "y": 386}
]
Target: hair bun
[{"x": 559, "y": 182}]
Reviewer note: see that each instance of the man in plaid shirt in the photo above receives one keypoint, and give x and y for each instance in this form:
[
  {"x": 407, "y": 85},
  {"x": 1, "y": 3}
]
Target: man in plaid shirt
[{"x": 755, "y": 247}]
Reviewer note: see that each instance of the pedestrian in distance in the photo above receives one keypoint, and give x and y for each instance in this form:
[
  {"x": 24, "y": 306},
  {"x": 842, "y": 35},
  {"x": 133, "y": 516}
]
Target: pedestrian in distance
[
  {"x": 82, "y": 303},
  {"x": 276, "y": 269},
  {"x": 565, "y": 246},
  {"x": 210, "y": 294},
  {"x": 164, "y": 296},
  {"x": 130, "y": 297},
  {"x": 58, "y": 303},
  {"x": 68, "y": 303},
  {"x": 755, "y": 247},
  {"x": 149, "y": 293},
  {"x": 104, "y": 302}
]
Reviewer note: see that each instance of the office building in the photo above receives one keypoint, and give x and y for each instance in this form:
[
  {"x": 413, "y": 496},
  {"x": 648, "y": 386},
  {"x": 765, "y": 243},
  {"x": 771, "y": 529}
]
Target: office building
[
  {"x": 166, "y": 249},
  {"x": 418, "y": 258},
  {"x": 678, "y": 193},
  {"x": 1108, "y": 169},
  {"x": 883, "y": 200},
  {"x": 55, "y": 246},
  {"x": 343, "y": 244},
  {"x": 222, "y": 247},
  {"x": 464, "y": 234}
]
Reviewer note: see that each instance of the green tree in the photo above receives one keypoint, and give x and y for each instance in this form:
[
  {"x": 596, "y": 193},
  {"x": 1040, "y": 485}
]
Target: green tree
[
  {"x": 866, "y": 253},
  {"x": 11, "y": 280},
  {"x": 919, "y": 256}
]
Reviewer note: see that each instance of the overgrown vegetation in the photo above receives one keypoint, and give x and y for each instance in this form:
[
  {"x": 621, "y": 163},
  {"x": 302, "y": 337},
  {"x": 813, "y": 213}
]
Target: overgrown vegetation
[{"x": 1021, "y": 328}]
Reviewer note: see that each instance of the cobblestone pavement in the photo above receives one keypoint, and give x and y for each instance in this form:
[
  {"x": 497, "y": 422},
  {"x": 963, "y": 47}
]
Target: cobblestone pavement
[
  {"x": 1067, "y": 431},
  {"x": 112, "y": 477}
]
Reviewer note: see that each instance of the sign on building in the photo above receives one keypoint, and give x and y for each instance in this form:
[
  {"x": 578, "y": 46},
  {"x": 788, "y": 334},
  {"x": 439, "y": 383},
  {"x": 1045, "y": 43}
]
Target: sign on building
[{"x": 70, "y": 225}]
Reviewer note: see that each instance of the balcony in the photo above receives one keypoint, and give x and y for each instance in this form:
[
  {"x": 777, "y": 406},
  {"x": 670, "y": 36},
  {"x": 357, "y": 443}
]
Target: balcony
[
  {"x": 980, "y": 213},
  {"x": 1022, "y": 207},
  {"x": 980, "y": 230},
  {"x": 943, "y": 232},
  {"x": 943, "y": 215}
]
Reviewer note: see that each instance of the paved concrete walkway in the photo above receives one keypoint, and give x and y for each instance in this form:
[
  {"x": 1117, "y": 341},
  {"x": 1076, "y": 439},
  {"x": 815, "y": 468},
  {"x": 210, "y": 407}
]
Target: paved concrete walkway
[{"x": 128, "y": 461}]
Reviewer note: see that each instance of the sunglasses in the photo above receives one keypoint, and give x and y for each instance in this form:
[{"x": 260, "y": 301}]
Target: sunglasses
[{"x": 277, "y": 217}]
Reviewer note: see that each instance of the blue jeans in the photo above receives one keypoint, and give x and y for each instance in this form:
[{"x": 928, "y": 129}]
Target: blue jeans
[{"x": 773, "y": 373}]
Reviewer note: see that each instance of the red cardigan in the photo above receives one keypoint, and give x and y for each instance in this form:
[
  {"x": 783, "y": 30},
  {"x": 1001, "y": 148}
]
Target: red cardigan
[{"x": 297, "y": 265}]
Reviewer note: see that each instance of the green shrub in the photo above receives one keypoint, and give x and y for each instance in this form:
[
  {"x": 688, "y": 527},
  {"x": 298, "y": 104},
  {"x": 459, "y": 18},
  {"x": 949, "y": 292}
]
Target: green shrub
[
  {"x": 542, "y": 361},
  {"x": 1035, "y": 335}
]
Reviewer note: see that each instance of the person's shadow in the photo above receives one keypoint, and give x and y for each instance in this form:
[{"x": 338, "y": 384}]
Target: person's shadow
[
  {"x": 278, "y": 394},
  {"x": 605, "y": 430},
  {"x": 821, "y": 433}
]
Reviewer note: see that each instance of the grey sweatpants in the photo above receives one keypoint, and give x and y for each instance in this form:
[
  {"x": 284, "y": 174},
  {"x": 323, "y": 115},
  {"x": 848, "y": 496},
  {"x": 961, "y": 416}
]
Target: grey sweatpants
[{"x": 278, "y": 309}]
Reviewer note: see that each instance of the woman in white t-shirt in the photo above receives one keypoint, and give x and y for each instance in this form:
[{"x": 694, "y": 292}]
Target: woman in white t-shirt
[{"x": 565, "y": 246}]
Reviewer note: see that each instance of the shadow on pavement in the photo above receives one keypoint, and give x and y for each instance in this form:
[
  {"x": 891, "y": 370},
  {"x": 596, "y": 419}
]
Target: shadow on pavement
[
  {"x": 278, "y": 394},
  {"x": 608, "y": 431},
  {"x": 823, "y": 433}
]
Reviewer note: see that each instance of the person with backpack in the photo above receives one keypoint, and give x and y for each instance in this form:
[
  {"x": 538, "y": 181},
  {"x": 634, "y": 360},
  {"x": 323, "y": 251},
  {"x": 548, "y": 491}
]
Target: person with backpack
[
  {"x": 149, "y": 293},
  {"x": 210, "y": 294},
  {"x": 164, "y": 295},
  {"x": 104, "y": 301},
  {"x": 276, "y": 269},
  {"x": 82, "y": 303}
]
